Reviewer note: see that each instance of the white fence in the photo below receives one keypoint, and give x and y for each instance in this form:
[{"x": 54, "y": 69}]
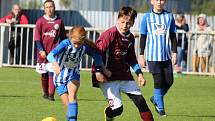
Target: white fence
[{"x": 25, "y": 50}]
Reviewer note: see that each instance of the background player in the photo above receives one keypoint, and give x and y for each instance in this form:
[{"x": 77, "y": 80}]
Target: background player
[
  {"x": 66, "y": 67},
  {"x": 48, "y": 32},
  {"x": 117, "y": 48},
  {"x": 157, "y": 29}
]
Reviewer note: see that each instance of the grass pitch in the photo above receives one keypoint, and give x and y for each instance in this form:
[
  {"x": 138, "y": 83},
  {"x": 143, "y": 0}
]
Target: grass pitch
[{"x": 191, "y": 98}]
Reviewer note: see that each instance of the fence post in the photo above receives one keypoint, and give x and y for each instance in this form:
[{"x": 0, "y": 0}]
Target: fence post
[{"x": 2, "y": 31}]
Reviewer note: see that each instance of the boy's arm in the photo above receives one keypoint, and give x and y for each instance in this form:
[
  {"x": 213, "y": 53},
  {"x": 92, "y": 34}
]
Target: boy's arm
[
  {"x": 97, "y": 58},
  {"x": 61, "y": 47},
  {"x": 174, "y": 47},
  {"x": 99, "y": 66},
  {"x": 51, "y": 56},
  {"x": 142, "y": 49}
]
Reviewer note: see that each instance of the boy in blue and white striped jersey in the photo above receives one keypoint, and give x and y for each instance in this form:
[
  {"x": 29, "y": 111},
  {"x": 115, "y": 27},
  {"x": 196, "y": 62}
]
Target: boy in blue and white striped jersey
[
  {"x": 157, "y": 29},
  {"x": 66, "y": 67}
]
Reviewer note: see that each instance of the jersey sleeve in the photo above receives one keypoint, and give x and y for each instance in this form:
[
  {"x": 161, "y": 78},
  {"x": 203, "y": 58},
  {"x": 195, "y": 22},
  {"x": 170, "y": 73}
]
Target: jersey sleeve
[
  {"x": 96, "y": 56},
  {"x": 62, "y": 31},
  {"x": 132, "y": 59},
  {"x": 60, "y": 48},
  {"x": 143, "y": 25},
  {"x": 38, "y": 31},
  {"x": 172, "y": 25},
  {"x": 104, "y": 40}
]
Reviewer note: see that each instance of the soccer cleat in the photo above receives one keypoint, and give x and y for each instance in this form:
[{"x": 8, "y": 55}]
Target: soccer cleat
[
  {"x": 160, "y": 113},
  {"x": 45, "y": 96},
  {"x": 51, "y": 98},
  {"x": 107, "y": 118}
]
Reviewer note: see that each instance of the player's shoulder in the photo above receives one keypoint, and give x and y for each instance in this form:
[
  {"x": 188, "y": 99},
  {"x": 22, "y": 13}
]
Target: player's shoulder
[
  {"x": 58, "y": 19},
  {"x": 167, "y": 12},
  {"x": 110, "y": 31},
  {"x": 40, "y": 20},
  {"x": 66, "y": 41}
]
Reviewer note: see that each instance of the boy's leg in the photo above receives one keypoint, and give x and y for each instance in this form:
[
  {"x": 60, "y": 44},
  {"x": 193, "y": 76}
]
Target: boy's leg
[
  {"x": 167, "y": 75},
  {"x": 51, "y": 87},
  {"x": 112, "y": 94},
  {"x": 73, "y": 105},
  {"x": 142, "y": 106},
  {"x": 44, "y": 83},
  {"x": 158, "y": 98}
]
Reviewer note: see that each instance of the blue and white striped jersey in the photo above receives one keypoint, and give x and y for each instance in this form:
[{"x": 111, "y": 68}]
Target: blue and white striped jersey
[
  {"x": 68, "y": 56},
  {"x": 157, "y": 27}
]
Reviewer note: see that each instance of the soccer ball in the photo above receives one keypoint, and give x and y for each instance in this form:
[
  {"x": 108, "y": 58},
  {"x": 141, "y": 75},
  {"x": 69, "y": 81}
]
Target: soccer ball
[{"x": 49, "y": 119}]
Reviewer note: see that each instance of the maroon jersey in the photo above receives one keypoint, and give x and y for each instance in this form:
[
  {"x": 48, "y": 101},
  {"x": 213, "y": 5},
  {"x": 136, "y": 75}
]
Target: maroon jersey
[
  {"x": 118, "y": 53},
  {"x": 49, "y": 33}
]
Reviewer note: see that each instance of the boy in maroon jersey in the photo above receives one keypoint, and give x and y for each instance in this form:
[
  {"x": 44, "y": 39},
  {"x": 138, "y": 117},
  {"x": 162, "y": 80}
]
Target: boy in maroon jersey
[
  {"x": 117, "y": 49},
  {"x": 48, "y": 32}
]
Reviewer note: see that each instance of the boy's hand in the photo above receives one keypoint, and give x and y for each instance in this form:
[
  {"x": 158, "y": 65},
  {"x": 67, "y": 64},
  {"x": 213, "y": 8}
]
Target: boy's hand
[
  {"x": 142, "y": 61},
  {"x": 56, "y": 68},
  {"x": 107, "y": 72},
  {"x": 141, "y": 80},
  {"x": 100, "y": 77},
  {"x": 42, "y": 54},
  {"x": 174, "y": 58}
]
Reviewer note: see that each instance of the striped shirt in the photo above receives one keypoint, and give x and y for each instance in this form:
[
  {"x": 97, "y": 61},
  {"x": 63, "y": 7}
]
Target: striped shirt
[
  {"x": 69, "y": 59},
  {"x": 157, "y": 27}
]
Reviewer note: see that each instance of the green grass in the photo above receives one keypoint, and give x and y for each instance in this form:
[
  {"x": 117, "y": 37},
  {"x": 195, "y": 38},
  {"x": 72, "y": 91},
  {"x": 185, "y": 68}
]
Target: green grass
[{"x": 191, "y": 98}]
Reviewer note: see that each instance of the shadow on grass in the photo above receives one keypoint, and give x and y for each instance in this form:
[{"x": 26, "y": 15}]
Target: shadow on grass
[
  {"x": 205, "y": 116},
  {"x": 14, "y": 96}
]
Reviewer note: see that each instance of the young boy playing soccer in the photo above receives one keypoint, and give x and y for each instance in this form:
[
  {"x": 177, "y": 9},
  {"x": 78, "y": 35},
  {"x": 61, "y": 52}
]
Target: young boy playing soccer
[
  {"x": 117, "y": 48},
  {"x": 66, "y": 67},
  {"x": 157, "y": 29}
]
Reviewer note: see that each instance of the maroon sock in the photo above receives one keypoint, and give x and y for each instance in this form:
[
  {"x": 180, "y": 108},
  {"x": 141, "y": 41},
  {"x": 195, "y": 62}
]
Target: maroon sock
[
  {"x": 44, "y": 82},
  {"x": 51, "y": 85},
  {"x": 146, "y": 116}
]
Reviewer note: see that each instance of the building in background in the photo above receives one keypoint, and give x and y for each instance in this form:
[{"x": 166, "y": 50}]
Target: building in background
[{"x": 105, "y": 5}]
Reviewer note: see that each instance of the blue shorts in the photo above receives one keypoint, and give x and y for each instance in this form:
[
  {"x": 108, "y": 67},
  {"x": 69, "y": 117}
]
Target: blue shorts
[
  {"x": 64, "y": 78},
  {"x": 160, "y": 66}
]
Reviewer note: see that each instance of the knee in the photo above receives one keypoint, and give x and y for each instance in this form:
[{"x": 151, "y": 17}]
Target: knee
[{"x": 113, "y": 113}]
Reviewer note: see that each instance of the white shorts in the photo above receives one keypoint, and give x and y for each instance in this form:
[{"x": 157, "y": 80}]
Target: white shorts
[{"x": 111, "y": 90}]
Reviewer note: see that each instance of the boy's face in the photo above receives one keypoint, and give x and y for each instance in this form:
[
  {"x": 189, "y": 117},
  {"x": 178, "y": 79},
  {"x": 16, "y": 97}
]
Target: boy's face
[
  {"x": 49, "y": 9},
  {"x": 124, "y": 24},
  {"x": 158, "y": 5}
]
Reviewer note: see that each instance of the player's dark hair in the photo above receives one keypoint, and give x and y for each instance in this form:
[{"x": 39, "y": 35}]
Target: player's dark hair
[
  {"x": 48, "y": 1},
  {"x": 128, "y": 11}
]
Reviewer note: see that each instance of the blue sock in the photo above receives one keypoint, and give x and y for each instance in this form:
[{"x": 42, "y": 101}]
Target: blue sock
[
  {"x": 72, "y": 111},
  {"x": 158, "y": 98}
]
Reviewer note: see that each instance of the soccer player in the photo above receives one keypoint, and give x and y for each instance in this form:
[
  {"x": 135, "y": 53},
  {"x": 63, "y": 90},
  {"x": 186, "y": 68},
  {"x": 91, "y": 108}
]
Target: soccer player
[
  {"x": 66, "y": 67},
  {"x": 48, "y": 32},
  {"x": 117, "y": 48},
  {"x": 157, "y": 29}
]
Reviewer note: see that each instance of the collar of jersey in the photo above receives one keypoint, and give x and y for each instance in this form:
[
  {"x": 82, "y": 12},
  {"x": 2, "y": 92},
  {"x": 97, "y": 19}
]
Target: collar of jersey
[
  {"x": 52, "y": 19},
  {"x": 158, "y": 13},
  {"x": 125, "y": 35}
]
